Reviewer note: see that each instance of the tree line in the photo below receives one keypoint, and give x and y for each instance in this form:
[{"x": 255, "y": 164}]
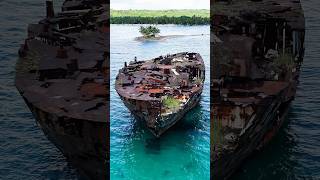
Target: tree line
[{"x": 182, "y": 20}]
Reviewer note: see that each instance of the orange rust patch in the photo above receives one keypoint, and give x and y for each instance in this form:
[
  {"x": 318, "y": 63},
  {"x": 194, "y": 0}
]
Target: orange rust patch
[
  {"x": 155, "y": 91},
  {"x": 94, "y": 89}
]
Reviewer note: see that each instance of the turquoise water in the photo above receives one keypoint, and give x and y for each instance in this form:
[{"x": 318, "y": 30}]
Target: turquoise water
[{"x": 184, "y": 151}]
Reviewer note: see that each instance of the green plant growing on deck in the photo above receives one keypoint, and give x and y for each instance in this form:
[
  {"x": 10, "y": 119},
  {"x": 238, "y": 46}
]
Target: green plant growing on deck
[
  {"x": 149, "y": 31},
  {"x": 28, "y": 63},
  {"x": 198, "y": 81},
  {"x": 216, "y": 131},
  {"x": 284, "y": 59},
  {"x": 171, "y": 103}
]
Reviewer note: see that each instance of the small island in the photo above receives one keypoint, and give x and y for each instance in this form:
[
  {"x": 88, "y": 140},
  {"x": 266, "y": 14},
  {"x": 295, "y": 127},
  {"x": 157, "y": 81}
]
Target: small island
[{"x": 149, "y": 31}]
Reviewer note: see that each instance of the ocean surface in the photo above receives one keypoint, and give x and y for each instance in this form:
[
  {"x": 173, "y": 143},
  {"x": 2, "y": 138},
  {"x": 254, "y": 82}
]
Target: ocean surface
[
  {"x": 25, "y": 153},
  {"x": 183, "y": 152}
]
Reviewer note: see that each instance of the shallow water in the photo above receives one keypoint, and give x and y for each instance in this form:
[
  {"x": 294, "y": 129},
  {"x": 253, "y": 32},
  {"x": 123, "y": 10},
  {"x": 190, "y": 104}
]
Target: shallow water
[{"x": 181, "y": 153}]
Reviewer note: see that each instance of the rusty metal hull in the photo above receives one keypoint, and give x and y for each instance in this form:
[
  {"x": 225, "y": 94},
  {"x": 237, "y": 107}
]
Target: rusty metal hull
[
  {"x": 63, "y": 76},
  {"x": 269, "y": 120},
  {"x": 258, "y": 51},
  {"x": 84, "y": 143},
  {"x": 170, "y": 120}
]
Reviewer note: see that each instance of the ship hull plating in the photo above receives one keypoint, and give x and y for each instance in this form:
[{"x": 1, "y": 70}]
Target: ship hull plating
[
  {"x": 82, "y": 142},
  {"x": 63, "y": 76},
  {"x": 258, "y": 51},
  {"x": 171, "y": 120},
  {"x": 257, "y": 136}
]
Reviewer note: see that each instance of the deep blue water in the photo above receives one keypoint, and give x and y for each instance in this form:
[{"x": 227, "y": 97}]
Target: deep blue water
[
  {"x": 181, "y": 153},
  {"x": 26, "y": 153}
]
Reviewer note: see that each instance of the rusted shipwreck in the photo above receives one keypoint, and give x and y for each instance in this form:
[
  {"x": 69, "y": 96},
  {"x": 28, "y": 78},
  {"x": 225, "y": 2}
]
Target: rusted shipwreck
[
  {"x": 62, "y": 74},
  {"x": 258, "y": 49},
  {"x": 161, "y": 90}
]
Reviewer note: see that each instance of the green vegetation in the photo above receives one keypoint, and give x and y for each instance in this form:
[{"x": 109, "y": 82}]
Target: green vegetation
[
  {"x": 171, "y": 103},
  {"x": 183, "y": 17},
  {"x": 284, "y": 59},
  {"x": 29, "y": 63},
  {"x": 216, "y": 131},
  {"x": 157, "y": 13},
  {"x": 149, "y": 31},
  {"x": 198, "y": 81}
]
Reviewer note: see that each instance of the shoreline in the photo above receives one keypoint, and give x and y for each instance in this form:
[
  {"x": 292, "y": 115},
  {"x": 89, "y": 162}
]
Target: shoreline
[
  {"x": 183, "y": 17},
  {"x": 167, "y": 24},
  {"x": 162, "y": 38}
]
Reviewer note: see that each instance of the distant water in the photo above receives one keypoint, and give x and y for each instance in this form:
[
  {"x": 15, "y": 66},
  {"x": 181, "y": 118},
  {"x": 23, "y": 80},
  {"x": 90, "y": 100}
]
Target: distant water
[
  {"x": 295, "y": 151},
  {"x": 183, "y": 152},
  {"x": 25, "y": 152}
]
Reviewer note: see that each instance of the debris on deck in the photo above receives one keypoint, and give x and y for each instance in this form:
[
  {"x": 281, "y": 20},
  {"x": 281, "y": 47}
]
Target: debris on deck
[{"x": 160, "y": 91}]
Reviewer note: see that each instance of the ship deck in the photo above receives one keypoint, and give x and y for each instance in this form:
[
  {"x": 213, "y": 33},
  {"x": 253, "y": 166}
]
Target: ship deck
[
  {"x": 291, "y": 11},
  {"x": 163, "y": 76}
]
